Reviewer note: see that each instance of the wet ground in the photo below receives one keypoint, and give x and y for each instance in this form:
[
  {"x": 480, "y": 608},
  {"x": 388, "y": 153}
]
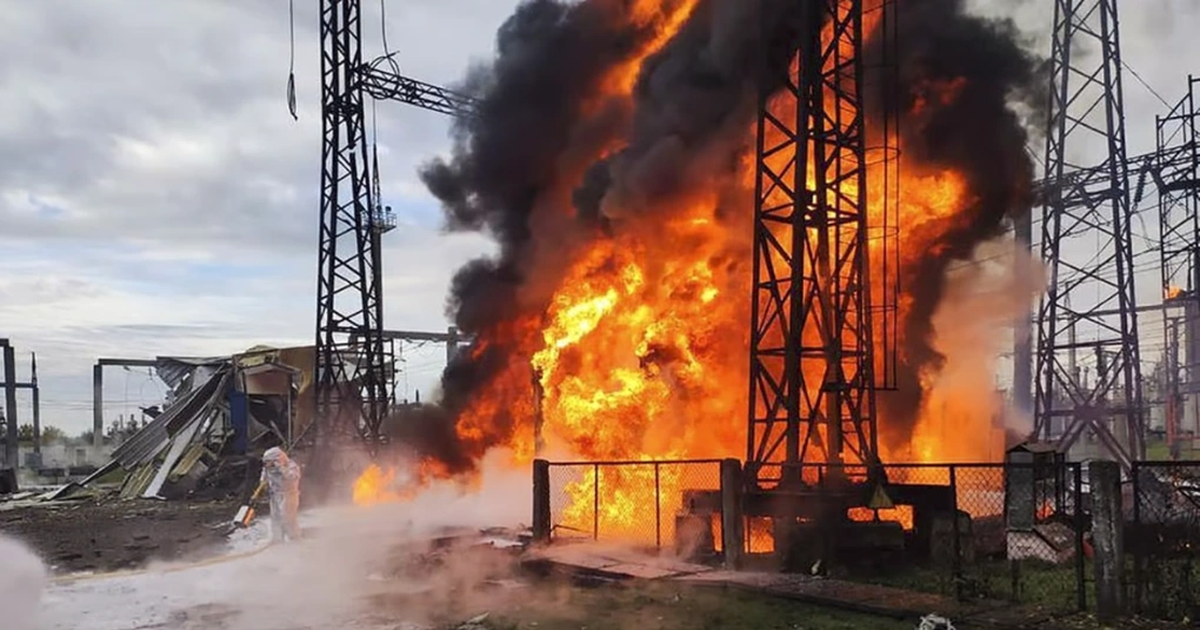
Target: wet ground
[{"x": 105, "y": 535}]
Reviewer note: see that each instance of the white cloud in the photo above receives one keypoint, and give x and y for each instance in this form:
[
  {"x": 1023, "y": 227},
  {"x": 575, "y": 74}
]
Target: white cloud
[{"x": 157, "y": 198}]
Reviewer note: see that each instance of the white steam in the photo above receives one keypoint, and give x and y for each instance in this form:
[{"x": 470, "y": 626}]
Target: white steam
[
  {"x": 973, "y": 329},
  {"x": 22, "y": 578}
]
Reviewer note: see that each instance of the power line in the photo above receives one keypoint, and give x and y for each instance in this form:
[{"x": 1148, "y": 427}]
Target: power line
[{"x": 1137, "y": 76}]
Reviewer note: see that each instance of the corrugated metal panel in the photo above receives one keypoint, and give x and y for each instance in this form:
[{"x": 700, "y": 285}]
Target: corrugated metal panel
[
  {"x": 135, "y": 484},
  {"x": 188, "y": 461},
  {"x": 147, "y": 443},
  {"x": 179, "y": 443},
  {"x": 174, "y": 370}
]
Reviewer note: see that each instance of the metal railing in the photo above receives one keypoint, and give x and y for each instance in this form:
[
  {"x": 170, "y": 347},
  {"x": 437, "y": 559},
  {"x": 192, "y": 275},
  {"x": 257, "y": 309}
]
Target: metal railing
[{"x": 629, "y": 501}]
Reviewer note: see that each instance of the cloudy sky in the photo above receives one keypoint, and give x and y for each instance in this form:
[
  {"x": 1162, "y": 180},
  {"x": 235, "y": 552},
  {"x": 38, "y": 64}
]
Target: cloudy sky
[{"x": 156, "y": 197}]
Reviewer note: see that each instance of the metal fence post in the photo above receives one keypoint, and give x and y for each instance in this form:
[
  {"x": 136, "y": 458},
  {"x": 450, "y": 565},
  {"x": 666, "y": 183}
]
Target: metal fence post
[
  {"x": 596, "y": 502},
  {"x": 956, "y": 566},
  {"x": 734, "y": 540},
  {"x": 1077, "y": 498},
  {"x": 1107, "y": 538},
  {"x": 1138, "y": 557},
  {"x": 658, "y": 510},
  {"x": 541, "y": 500}
]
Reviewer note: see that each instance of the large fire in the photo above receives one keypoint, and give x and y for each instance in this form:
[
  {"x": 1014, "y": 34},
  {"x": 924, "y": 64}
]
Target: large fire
[{"x": 642, "y": 352}]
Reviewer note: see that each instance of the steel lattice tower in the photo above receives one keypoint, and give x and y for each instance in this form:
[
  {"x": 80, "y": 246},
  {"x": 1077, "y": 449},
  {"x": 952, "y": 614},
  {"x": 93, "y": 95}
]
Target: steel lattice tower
[
  {"x": 1177, "y": 178},
  {"x": 812, "y": 387},
  {"x": 354, "y": 371},
  {"x": 1089, "y": 306},
  {"x": 351, "y": 370}
]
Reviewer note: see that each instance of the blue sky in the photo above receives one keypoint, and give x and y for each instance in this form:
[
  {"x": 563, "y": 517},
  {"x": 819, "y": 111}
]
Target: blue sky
[{"x": 156, "y": 198}]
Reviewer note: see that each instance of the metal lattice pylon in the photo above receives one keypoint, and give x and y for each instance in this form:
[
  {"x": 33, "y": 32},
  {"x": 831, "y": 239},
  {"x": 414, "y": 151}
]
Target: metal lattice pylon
[
  {"x": 351, "y": 373},
  {"x": 1088, "y": 312},
  {"x": 812, "y": 383},
  {"x": 354, "y": 367},
  {"x": 1176, "y": 175}
]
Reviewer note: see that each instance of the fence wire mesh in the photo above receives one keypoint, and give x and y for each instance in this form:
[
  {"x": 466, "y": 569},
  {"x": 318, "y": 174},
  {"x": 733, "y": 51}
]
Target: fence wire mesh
[
  {"x": 643, "y": 503},
  {"x": 1021, "y": 534},
  {"x": 1009, "y": 532},
  {"x": 1164, "y": 539}
]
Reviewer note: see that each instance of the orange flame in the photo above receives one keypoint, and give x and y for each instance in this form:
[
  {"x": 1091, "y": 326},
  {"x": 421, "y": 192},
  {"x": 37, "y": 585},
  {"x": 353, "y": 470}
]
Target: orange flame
[
  {"x": 375, "y": 485},
  {"x": 641, "y": 352}
]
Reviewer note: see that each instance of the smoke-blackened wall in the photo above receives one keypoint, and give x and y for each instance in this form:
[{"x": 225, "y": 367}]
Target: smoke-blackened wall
[{"x": 957, "y": 75}]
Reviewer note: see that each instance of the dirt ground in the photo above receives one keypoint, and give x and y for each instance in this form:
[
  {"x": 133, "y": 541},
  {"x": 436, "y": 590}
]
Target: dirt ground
[
  {"x": 109, "y": 534},
  {"x": 547, "y": 606}
]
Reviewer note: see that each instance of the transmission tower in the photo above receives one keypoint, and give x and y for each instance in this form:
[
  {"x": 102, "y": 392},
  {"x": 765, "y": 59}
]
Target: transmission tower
[
  {"x": 1178, "y": 181},
  {"x": 812, "y": 356},
  {"x": 1089, "y": 307},
  {"x": 352, "y": 369}
]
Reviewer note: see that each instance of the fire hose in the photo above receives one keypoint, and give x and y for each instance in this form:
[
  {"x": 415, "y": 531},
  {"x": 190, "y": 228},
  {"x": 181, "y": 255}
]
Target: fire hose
[{"x": 87, "y": 577}]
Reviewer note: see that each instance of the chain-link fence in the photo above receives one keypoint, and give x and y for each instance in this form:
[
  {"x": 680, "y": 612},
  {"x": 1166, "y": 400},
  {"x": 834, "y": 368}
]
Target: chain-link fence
[
  {"x": 657, "y": 504},
  {"x": 1011, "y": 532},
  {"x": 1163, "y": 539},
  {"x": 1023, "y": 531}
]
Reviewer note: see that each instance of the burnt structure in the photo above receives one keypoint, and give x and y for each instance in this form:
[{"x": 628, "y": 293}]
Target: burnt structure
[{"x": 1090, "y": 305}]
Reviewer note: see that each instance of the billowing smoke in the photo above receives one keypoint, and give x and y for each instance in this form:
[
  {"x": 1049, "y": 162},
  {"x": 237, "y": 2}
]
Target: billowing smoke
[
  {"x": 958, "y": 75},
  {"x": 526, "y": 170}
]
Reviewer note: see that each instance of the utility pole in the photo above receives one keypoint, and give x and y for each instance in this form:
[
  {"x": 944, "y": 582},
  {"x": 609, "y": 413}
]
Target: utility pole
[
  {"x": 11, "y": 452},
  {"x": 37, "y": 408},
  {"x": 1086, "y": 279}
]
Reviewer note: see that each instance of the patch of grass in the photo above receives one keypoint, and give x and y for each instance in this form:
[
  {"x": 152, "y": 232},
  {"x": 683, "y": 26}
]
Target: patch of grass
[
  {"x": 1159, "y": 451},
  {"x": 1038, "y": 583},
  {"x": 678, "y": 607}
]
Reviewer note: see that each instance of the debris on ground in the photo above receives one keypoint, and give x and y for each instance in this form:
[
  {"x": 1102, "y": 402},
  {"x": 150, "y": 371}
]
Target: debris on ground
[
  {"x": 105, "y": 534},
  {"x": 935, "y": 622}
]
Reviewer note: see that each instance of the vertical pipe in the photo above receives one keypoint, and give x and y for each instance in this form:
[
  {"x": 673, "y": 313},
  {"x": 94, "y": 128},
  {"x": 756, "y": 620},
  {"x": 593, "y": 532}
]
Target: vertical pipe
[
  {"x": 1138, "y": 558},
  {"x": 290, "y": 419},
  {"x": 97, "y": 405},
  {"x": 37, "y": 409},
  {"x": 956, "y": 567},
  {"x": 451, "y": 343},
  {"x": 1023, "y": 333},
  {"x": 541, "y": 501},
  {"x": 1080, "y": 588},
  {"x": 658, "y": 511},
  {"x": 734, "y": 541},
  {"x": 10, "y": 406},
  {"x": 596, "y": 502}
]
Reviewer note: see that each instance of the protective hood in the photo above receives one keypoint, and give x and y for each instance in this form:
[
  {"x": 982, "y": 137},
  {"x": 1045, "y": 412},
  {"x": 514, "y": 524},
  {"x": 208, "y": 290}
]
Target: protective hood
[{"x": 275, "y": 455}]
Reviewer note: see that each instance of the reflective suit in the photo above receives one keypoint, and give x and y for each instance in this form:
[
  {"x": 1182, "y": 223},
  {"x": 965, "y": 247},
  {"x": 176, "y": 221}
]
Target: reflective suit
[{"x": 282, "y": 476}]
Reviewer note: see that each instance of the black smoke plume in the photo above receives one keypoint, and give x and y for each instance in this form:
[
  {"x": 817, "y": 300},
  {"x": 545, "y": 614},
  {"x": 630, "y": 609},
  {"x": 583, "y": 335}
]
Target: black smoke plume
[
  {"x": 523, "y": 170},
  {"x": 958, "y": 75}
]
